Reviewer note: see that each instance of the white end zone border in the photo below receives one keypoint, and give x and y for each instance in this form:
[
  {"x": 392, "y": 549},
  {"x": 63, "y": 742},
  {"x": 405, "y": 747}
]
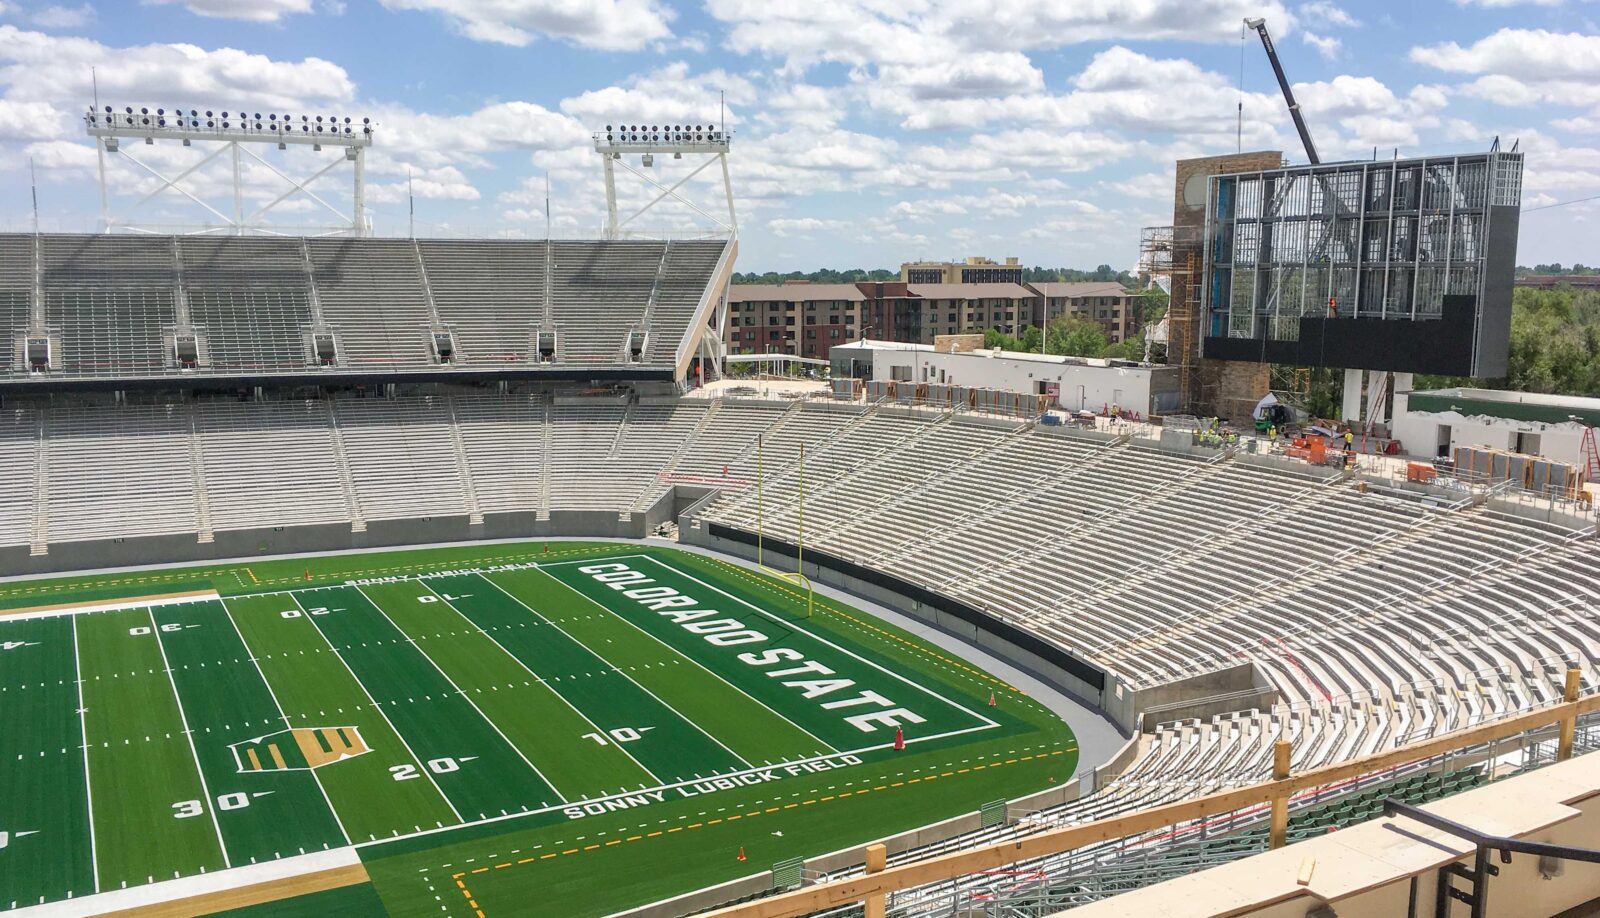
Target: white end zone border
[{"x": 115, "y": 605}]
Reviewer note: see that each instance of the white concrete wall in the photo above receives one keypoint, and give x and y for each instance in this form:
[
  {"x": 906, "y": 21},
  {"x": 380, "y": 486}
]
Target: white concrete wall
[
  {"x": 1080, "y": 386},
  {"x": 1419, "y": 435}
]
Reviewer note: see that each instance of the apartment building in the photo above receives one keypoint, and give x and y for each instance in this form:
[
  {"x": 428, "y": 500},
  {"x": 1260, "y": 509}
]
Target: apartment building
[
  {"x": 793, "y": 318},
  {"x": 1117, "y": 312},
  {"x": 974, "y": 270}
]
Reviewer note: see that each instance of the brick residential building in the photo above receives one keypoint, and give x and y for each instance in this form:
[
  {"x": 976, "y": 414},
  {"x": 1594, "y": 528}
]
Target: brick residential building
[
  {"x": 793, "y": 318},
  {"x": 1118, "y": 312},
  {"x": 974, "y": 270}
]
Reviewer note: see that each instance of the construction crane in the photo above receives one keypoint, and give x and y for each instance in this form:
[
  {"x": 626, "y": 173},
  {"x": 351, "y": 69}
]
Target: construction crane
[{"x": 1260, "y": 25}]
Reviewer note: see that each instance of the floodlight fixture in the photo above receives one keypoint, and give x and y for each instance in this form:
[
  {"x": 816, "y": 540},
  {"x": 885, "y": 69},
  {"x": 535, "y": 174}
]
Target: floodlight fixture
[
  {"x": 233, "y": 130},
  {"x": 647, "y": 141}
]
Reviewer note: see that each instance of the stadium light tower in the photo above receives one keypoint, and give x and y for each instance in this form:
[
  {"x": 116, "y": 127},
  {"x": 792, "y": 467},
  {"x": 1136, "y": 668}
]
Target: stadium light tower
[
  {"x": 237, "y": 134},
  {"x": 647, "y": 141}
]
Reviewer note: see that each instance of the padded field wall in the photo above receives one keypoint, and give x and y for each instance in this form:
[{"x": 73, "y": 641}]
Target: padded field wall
[{"x": 65, "y": 557}]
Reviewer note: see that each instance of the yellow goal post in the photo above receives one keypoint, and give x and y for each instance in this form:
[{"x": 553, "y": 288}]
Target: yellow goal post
[{"x": 796, "y": 576}]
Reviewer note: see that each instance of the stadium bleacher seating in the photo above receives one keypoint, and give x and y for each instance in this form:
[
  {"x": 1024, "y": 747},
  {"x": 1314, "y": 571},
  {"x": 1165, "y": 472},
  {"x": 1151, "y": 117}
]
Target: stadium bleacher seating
[
  {"x": 1377, "y": 616},
  {"x": 112, "y": 304}
]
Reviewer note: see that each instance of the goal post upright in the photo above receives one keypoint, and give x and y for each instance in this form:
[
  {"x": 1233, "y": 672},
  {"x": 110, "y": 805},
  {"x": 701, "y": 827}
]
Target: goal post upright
[{"x": 797, "y": 576}]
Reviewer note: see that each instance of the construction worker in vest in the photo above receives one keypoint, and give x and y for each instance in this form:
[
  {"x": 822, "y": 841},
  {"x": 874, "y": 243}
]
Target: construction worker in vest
[
  {"x": 1272, "y": 434},
  {"x": 1349, "y": 439}
]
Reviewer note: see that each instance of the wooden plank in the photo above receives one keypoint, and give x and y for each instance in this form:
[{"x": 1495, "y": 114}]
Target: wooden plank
[{"x": 255, "y": 894}]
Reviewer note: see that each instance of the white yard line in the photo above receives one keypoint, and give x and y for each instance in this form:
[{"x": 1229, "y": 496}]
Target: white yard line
[
  {"x": 677, "y": 652},
  {"x": 250, "y": 652},
  {"x": 492, "y": 725},
  {"x": 421, "y": 766},
  {"x": 83, "y": 728},
  {"x": 541, "y": 680},
  {"x": 618, "y": 671},
  {"x": 210, "y": 802}
]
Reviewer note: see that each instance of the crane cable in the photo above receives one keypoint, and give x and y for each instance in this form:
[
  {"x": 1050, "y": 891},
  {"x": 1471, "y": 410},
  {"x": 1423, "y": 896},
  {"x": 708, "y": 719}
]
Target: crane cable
[
  {"x": 1243, "y": 34},
  {"x": 1592, "y": 197}
]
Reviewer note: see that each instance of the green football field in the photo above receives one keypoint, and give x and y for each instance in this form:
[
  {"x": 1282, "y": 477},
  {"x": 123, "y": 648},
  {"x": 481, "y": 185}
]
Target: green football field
[{"x": 534, "y": 729}]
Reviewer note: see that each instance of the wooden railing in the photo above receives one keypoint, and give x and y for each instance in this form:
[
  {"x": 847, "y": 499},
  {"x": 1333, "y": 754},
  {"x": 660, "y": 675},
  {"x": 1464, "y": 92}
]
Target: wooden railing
[{"x": 872, "y": 887}]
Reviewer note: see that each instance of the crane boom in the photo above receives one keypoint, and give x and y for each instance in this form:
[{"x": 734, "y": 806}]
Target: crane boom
[{"x": 1260, "y": 25}]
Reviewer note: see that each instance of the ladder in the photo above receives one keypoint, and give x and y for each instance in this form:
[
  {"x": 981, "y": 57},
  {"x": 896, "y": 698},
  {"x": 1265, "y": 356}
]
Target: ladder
[{"x": 1591, "y": 456}]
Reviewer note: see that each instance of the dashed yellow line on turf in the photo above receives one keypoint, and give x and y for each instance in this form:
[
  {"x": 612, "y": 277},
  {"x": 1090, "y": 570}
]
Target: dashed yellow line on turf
[{"x": 461, "y": 876}]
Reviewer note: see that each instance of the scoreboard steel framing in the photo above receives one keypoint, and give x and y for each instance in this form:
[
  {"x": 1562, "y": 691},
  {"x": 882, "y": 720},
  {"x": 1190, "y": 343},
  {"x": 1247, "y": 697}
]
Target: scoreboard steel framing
[{"x": 1404, "y": 265}]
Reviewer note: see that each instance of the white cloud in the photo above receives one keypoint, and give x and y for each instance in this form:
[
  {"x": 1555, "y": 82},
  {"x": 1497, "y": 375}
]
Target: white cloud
[
  {"x": 613, "y": 25},
  {"x": 249, "y": 10},
  {"x": 444, "y": 183},
  {"x": 1526, "y": 54},
  {"x": 805, "y": 226},
  {"x": 55, "y": 69},
  {"x": 670, "y": 95},
  {"x": 1328, "y": 14},
  {"x": 1500, "y": 4},
  {"x": 1326, "y": 45},
  {"x": 31, "y": 120},
  {"x": 63, "y": 17},
  {"x": 924, "y": 33}
]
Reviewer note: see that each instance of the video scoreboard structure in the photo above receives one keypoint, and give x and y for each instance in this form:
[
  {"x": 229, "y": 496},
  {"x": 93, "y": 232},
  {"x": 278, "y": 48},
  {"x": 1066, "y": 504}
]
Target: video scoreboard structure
[{"x": 1404, "y": 266}]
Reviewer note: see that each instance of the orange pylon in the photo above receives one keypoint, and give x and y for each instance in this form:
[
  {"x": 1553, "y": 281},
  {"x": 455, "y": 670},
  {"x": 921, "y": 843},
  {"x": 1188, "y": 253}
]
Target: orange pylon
[
  {"x": 899, "y": 738},
  {"x": 991, "y": 698},
  {"x": 741, "y": 853}
]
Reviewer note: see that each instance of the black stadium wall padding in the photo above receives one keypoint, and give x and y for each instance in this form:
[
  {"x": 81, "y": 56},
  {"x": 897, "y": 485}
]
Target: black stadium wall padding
[{"x": 972, "y": 615}]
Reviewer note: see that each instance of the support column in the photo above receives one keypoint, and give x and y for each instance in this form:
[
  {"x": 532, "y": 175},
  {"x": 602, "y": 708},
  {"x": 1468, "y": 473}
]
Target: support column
[
  {"x": 1569, "y": 720},
  {"x": 238, "y": 191},
  {"x": 105, "y": 201},
  {"x": 611, "y": 195},
  {"x": 877, "y": 859},
  {"x": 727, "y": 189},
  {"x": 1352, "y": 395},
  {"x": 1280, "y": 801},
  {"x": 358, "y": 214}
]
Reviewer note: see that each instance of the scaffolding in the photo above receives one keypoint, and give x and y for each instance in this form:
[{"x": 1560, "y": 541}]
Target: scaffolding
[{"x": 1175, "y": 254}]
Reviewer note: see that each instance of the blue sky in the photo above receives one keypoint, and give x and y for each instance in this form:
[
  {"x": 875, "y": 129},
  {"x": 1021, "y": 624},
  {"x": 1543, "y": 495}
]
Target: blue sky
[{"x": 867, "y": 132}]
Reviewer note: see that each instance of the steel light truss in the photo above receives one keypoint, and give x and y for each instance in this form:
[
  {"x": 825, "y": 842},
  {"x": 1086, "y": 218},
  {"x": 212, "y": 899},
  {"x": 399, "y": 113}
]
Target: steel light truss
[
  {"x": 706, "y": 142},
  {"x": 237, "y": 135}
]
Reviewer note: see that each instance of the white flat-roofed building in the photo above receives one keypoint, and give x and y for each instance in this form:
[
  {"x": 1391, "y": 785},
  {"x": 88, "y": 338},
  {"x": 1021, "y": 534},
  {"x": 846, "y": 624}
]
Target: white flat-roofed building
[{"x": 1075, "y": 383}]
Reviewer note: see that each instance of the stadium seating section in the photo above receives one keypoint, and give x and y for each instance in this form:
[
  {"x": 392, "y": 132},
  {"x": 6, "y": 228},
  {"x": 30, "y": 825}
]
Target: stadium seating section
[
  {"x": 1375, "y": 615},
  {"x": 111, "y": 305}
]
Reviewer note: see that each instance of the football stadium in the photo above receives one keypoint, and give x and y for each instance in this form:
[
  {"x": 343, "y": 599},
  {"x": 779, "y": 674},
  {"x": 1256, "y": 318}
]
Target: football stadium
[{"x": 409, "y": 576}]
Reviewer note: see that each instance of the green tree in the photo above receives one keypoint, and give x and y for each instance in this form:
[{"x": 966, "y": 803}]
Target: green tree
[{"x": 1073, "y": 337}]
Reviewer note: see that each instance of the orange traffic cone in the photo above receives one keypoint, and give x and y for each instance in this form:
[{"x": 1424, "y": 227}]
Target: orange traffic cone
[
  {"x": 991, "y": 698},
  {"x": 741, "y": 853},
  {"x": 899, "y": 738},
  {"x": 308, "y": 574},
  {"x": 547, "y": 548}
]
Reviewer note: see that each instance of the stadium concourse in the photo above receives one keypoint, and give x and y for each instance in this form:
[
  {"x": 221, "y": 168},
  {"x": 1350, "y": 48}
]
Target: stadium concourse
[{"x": 340, "y": 395}]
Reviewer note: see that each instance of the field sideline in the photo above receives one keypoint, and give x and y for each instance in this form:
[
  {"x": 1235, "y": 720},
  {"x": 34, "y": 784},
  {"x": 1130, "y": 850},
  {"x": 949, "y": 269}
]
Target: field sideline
[{"x": 547, "y": 728}]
